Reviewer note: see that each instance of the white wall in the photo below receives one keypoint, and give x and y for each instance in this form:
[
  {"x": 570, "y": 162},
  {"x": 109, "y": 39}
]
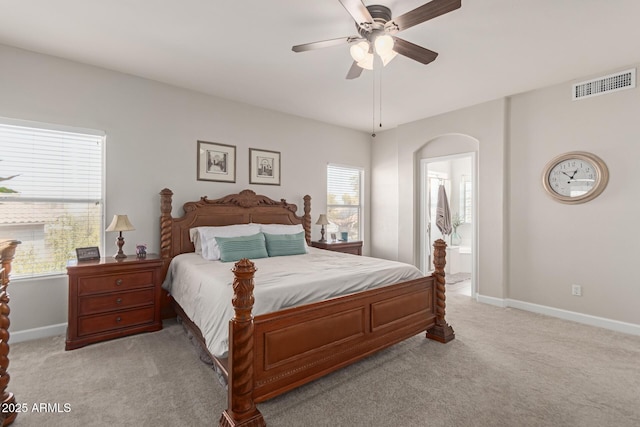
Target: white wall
[
  {"x": 532, "y": 248},
  {"x": 403, "y": 146},
  {"x": 152, "y": 129},
  {"x": 595, "y": 244},
  {"x": 384, "y": 196}
]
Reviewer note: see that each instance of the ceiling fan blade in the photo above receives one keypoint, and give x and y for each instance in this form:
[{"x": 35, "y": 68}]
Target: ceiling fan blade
[
  {"x": 358, "y": 11},
  {"x": 423, "y": 13},
  {"x": 325, "y": 43},
  {"x": 354, "y": 71},
  {"x": 413, "y": 51}
]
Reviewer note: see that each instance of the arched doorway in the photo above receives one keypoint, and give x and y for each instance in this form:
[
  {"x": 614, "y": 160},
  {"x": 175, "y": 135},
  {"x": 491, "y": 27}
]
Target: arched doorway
[{"x": 457, "y": 171}]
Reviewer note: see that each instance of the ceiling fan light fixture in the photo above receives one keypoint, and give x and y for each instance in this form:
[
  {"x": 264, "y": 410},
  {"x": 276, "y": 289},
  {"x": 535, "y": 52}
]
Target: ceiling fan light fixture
[
  {"x": 384, "y": 48},
  {"x": 384, "y": 45},
  {"x": 359, "y": 51},
  {"x": 366, "y": 62},
  {"x": 376, "y": 34},
  {"x": 386, "y": 58}
]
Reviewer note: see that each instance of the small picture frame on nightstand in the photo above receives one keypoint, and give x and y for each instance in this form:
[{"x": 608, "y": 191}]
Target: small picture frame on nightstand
[{"x": 89, "y": 253}]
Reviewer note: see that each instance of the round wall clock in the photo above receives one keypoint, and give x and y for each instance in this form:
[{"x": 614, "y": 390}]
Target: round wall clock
[{"x": 575, "y": 177}]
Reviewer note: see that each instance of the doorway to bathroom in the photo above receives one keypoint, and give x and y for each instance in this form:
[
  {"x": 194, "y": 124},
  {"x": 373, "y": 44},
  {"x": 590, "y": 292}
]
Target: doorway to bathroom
[{"x": 457, "y": 173}]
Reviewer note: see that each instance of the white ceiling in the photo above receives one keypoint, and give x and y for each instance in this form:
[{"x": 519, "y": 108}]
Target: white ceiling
[{"x": 241, "y": 50}]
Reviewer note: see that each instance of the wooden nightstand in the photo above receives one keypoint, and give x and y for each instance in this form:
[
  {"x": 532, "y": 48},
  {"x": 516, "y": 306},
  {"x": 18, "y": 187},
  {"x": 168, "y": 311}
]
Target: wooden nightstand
[
  {"x": 354, "y": 247},
  {"x": 111, "y": 298}
]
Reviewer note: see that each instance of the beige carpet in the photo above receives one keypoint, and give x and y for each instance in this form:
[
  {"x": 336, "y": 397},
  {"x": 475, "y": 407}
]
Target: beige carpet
[
  {"x": 505, "y": 368},
  {"x": 457, "y": 277}
]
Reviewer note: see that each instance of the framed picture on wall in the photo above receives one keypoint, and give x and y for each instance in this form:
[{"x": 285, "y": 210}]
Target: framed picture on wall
[
  {"x": 216, "y": 162},
  {"x": 264, "y": 167}
]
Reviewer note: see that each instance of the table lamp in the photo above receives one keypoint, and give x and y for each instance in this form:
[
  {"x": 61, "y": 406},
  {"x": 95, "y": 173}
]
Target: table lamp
[
  {"x": 322, "y": 220},
  {"x": 120, "y": 223}
]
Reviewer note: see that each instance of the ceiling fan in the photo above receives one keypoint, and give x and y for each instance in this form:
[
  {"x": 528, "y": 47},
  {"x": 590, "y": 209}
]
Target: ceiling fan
[{"x": 376, "y": 33}]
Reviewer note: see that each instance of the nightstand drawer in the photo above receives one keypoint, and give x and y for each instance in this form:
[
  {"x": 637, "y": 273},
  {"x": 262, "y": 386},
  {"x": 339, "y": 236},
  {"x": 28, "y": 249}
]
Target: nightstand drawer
[
  {"x": 116, "y": 320},
  {"x": 116, "y": 301},
  {"x": 115, "y": 282},
  {"x": 355, "y": 250}
]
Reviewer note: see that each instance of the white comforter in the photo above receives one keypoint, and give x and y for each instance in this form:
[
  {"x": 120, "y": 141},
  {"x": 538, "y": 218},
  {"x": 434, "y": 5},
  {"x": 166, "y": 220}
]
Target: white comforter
[{"x": 204, "y": 288}]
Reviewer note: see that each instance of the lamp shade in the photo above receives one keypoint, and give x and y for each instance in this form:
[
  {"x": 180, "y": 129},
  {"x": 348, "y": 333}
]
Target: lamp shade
[
  {"x": 387, "y": 57},
  {"x": 358, "y": 51},
  {"x": 384, "y": 45},
  {"x": 367, "y": 62},
  {"x": 322, "y": 220},
  {"x": 361, "y": 53},
  {"x": 120, "y": 223}
]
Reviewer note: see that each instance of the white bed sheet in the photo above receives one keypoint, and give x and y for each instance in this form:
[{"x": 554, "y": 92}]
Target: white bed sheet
[{"x": 204, "y": 288}]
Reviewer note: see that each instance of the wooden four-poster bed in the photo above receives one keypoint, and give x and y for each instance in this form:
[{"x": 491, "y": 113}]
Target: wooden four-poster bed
[{"x": 270, "y": 354}]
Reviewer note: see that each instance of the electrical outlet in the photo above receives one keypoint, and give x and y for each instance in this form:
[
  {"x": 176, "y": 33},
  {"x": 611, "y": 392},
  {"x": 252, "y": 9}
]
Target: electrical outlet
[{"x": 576, "y": 290}]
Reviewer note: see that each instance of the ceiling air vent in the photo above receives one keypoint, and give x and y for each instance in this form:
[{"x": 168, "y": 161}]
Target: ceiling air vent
[{"x": 606, "y": 84}]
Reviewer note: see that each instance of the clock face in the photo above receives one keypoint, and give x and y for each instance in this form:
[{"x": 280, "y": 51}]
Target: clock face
[{"x": 575, "y": 177}]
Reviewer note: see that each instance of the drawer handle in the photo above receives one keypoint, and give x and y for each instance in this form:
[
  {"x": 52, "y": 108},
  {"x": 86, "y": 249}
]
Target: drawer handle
[
  {"x": 118, "y": 319},
  {"x": 119, "y": 301},
  {"x": 118, "y": 282}
]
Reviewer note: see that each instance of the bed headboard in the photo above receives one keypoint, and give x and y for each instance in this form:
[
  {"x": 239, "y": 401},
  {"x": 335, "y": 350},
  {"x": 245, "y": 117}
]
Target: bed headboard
[{"x": 241, "y": 208}]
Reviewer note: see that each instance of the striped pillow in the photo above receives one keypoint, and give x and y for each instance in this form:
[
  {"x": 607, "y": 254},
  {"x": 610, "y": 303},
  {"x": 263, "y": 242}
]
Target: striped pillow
[
  {"x": 285, "y": 244},
  {"x": 236, "y": 248}
]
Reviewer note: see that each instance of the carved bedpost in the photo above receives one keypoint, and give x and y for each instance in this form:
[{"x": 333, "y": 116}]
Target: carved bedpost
[
  {"x": 7, "y": 399},
  {"x": 307, "y": 218},
  {"x": 441, "y": 331},
  {"x": 165, "y": 223},
  {"x": 241, "y": 409},
  {"x": 166, "y": 302}
]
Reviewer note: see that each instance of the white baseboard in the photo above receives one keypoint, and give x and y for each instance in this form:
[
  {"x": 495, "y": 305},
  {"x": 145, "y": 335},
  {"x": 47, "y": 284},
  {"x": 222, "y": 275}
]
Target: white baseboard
[
  {"x": 35, "y": 333},
  {"x": 587, "y": 319},
  {"x": 498, "y": 302}
]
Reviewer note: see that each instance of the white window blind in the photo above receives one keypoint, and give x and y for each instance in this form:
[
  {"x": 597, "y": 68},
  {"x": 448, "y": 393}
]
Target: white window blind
[
  {"x": 344, "y": 200},
  {"x": 50, "y": 194}
]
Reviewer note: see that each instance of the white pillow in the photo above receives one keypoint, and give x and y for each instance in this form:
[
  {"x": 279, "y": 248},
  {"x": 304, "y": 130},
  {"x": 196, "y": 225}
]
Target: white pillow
[
  {"x": 284, "y": 229},
  {"x": 194, "y": 236},
  {"x": 206, "y": 237}
]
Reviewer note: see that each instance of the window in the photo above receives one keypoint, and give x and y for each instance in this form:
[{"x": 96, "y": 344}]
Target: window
[
  {"x": 50, "y": 194},
  {"x": 344, "y": 200}
]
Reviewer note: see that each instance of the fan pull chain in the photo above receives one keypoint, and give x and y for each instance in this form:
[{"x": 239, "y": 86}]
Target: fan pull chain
[
  {"x": 380, "y": 115},
  {"x": 373, "y": 103},
  {"x": 373, "y": 118}
]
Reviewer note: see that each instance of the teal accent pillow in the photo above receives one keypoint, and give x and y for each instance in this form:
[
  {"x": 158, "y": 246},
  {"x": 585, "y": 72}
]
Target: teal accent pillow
[
  {"x": 285, "y": 244},
  {"x": 236, "y": 248}
]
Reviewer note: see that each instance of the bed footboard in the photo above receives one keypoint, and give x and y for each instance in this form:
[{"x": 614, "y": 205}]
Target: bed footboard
[
  {"x": 276, "y": 352},
  {"x": 293, "y": 347}
]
